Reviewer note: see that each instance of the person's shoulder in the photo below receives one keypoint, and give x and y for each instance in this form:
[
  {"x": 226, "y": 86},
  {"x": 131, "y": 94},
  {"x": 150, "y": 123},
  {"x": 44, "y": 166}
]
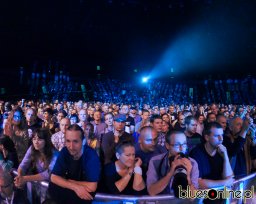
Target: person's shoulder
[
  {"x": 63, "y": 151},
  {"x": 197, "y": 135},
  {"x": 160, "y": 149},
  {"x": 197, "y": 150},
  {"x": 88, "y": 150},
  {"x": 158, "y": 157}
]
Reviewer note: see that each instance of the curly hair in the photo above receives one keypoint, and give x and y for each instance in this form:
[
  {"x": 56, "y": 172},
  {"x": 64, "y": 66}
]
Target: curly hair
[{"x": 45, "y": 134}]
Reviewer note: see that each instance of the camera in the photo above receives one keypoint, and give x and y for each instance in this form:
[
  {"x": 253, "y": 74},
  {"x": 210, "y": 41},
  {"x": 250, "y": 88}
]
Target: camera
[{"x": 179, "y": 176}]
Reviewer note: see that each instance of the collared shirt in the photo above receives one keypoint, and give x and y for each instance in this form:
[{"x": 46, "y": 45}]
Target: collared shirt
[
  {"x": 159, "y": 166},
  {"x": 161, "y": 139},
  {"x": 58, "y": 140}
]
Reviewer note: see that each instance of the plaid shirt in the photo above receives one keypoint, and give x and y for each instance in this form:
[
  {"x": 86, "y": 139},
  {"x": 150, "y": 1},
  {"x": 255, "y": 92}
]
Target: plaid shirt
[
  {"x": 161, "y": 139},
  {"x": 58, "y": 140}
]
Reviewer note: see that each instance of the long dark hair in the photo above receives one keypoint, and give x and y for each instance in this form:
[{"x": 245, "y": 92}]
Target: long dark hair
[
  {"x": 42, "y": 133},
  {"x": 22, "y": 125},
  {"x": 7, "y": 143}
]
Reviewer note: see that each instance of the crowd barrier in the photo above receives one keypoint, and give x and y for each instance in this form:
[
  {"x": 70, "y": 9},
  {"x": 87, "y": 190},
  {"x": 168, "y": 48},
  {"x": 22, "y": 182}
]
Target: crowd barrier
[{"x": 242, "y": 191}]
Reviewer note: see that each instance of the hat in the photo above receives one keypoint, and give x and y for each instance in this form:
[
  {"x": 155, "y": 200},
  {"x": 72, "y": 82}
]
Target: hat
[{"x": 120, "y": 118}]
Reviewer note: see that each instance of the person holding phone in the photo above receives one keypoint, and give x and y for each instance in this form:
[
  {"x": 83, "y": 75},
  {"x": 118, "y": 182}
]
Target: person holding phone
[{"x": 124, "y": 176}]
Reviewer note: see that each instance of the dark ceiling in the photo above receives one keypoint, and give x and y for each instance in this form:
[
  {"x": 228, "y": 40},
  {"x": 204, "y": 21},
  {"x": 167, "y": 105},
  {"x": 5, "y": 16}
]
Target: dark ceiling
[{"x": 121, "y": 35}]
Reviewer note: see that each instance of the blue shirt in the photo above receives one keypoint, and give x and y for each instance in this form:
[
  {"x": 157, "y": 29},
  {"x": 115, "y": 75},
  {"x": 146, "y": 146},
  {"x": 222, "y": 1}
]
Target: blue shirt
[{"x": 87, "y": 168}]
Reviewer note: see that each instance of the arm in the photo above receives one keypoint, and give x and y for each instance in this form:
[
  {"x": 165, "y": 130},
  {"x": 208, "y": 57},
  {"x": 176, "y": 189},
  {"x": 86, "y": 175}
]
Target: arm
[
  {"x": 160, "y": 185},
  {"x": 80, "y": 190},
  {"x": 227, "y": 170},
  {"x": 138, "y": 182},
  {"x": 123, "y": 182},
  {"x": 157, "y": 186},
  {"x": 207, "y": 183}
]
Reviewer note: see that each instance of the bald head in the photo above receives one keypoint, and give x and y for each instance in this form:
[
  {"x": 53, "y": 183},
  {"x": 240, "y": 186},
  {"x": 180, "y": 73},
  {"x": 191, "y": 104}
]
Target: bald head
[
  {"x": 147, "y": 139},
  {"x": 222, "y": 120},
  {"x": 236, "y": 125},
  {"x": 64, "y": 124}
]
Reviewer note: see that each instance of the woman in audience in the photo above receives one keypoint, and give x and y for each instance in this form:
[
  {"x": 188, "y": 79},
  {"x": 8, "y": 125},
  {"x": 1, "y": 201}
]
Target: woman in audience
[
  {"x": 124, "y": 176},
  {"x": 48, "y": 120},
  {"x": 73, "y": 119},
  {"x": 16, "y": 129},
  {"x": 109, "y": 122},
  {"x": 39, "y": 159},
  {"x": 8, "y": 154}
]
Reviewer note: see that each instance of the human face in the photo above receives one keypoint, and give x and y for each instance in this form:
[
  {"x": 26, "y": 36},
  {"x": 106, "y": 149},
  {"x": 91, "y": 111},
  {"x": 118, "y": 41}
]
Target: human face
[
  {"x": 119, "y": 126},
  {"x": 162, "y": 111},
  {"x": 109, "y": 120},
  {"x": 145, "y": 115},
  {"x": 178, "y": 143},
  {"x": 181, "y": 120},
  {"x": 127, "y": 157},
  {"x": 47, "y": 116},
  {"x": 201, "y": 119},
  {"x": 124, "y": 110},
  {"x": 165, "y": 127},
  {"x": 171, "y": 109},
  {"x": 88, "y": 130},
  {"x": 82, "y": 115},
  {"x": 38, "y": 143},
  {"x": 97, "y": 116},
  {"x": 97, "y": 107},
  {"x": 5, "y": 188},
  {"x": 64, "y": 124},
  {"x": 74, "y": 143},
  {"x": 30, "y": 115},
  {"x": 236, "y": 125},
  {"x": 166, "y": 118},
  {"x": 192, "y": 126},
  {"x": 73, "y": 120},
  {"x": 148, "y": 140},
  {"x": 157, "y": 125},
  {"x": 212, "y": 118},
  {"x": 215, "y": 138},
  {"x": 60, "y": 116},
  {"x": 223, "y": 122},
  {"x": 16, "y": 118}
]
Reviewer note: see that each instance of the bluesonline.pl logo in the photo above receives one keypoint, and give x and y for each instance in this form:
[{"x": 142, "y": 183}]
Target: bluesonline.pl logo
[{"x": 213, "y": 194}]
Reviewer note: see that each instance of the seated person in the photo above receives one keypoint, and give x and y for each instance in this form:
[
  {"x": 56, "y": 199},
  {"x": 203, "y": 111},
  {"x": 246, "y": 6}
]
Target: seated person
[
  {"x": 162, "y": 168},
  {"x": 124, "y": 176},
  {"x": 241, "y": 147},
  {"x": 212, "y": 159},
  {"x": 8, "y": 193},
  {"x": 111, "y": 139},
  {"x": 39, "y": 159},
  {"x": 8, "y": 154},
  {"x": 76, "y": 173},
  {"x": 148, "y": 147}
]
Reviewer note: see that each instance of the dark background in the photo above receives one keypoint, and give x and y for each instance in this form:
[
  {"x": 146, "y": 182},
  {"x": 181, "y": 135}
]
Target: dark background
[{"x": 123, "y": 35}]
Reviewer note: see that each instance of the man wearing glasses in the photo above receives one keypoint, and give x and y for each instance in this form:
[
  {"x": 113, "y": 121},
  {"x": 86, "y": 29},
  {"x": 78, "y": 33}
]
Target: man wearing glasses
[{"x": 162, "y": 168}]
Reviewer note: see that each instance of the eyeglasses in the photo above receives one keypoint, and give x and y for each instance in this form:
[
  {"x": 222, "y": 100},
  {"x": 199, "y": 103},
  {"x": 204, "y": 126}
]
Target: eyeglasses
[{"x": 179, "y": 145}]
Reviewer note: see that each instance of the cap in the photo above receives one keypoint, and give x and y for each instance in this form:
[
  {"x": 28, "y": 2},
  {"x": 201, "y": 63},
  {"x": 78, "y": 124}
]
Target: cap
[{"x": 120, "y": 118}]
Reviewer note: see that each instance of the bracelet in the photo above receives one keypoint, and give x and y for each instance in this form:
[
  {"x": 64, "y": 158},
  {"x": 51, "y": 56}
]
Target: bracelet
[{"x": 138, "y": 170}]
